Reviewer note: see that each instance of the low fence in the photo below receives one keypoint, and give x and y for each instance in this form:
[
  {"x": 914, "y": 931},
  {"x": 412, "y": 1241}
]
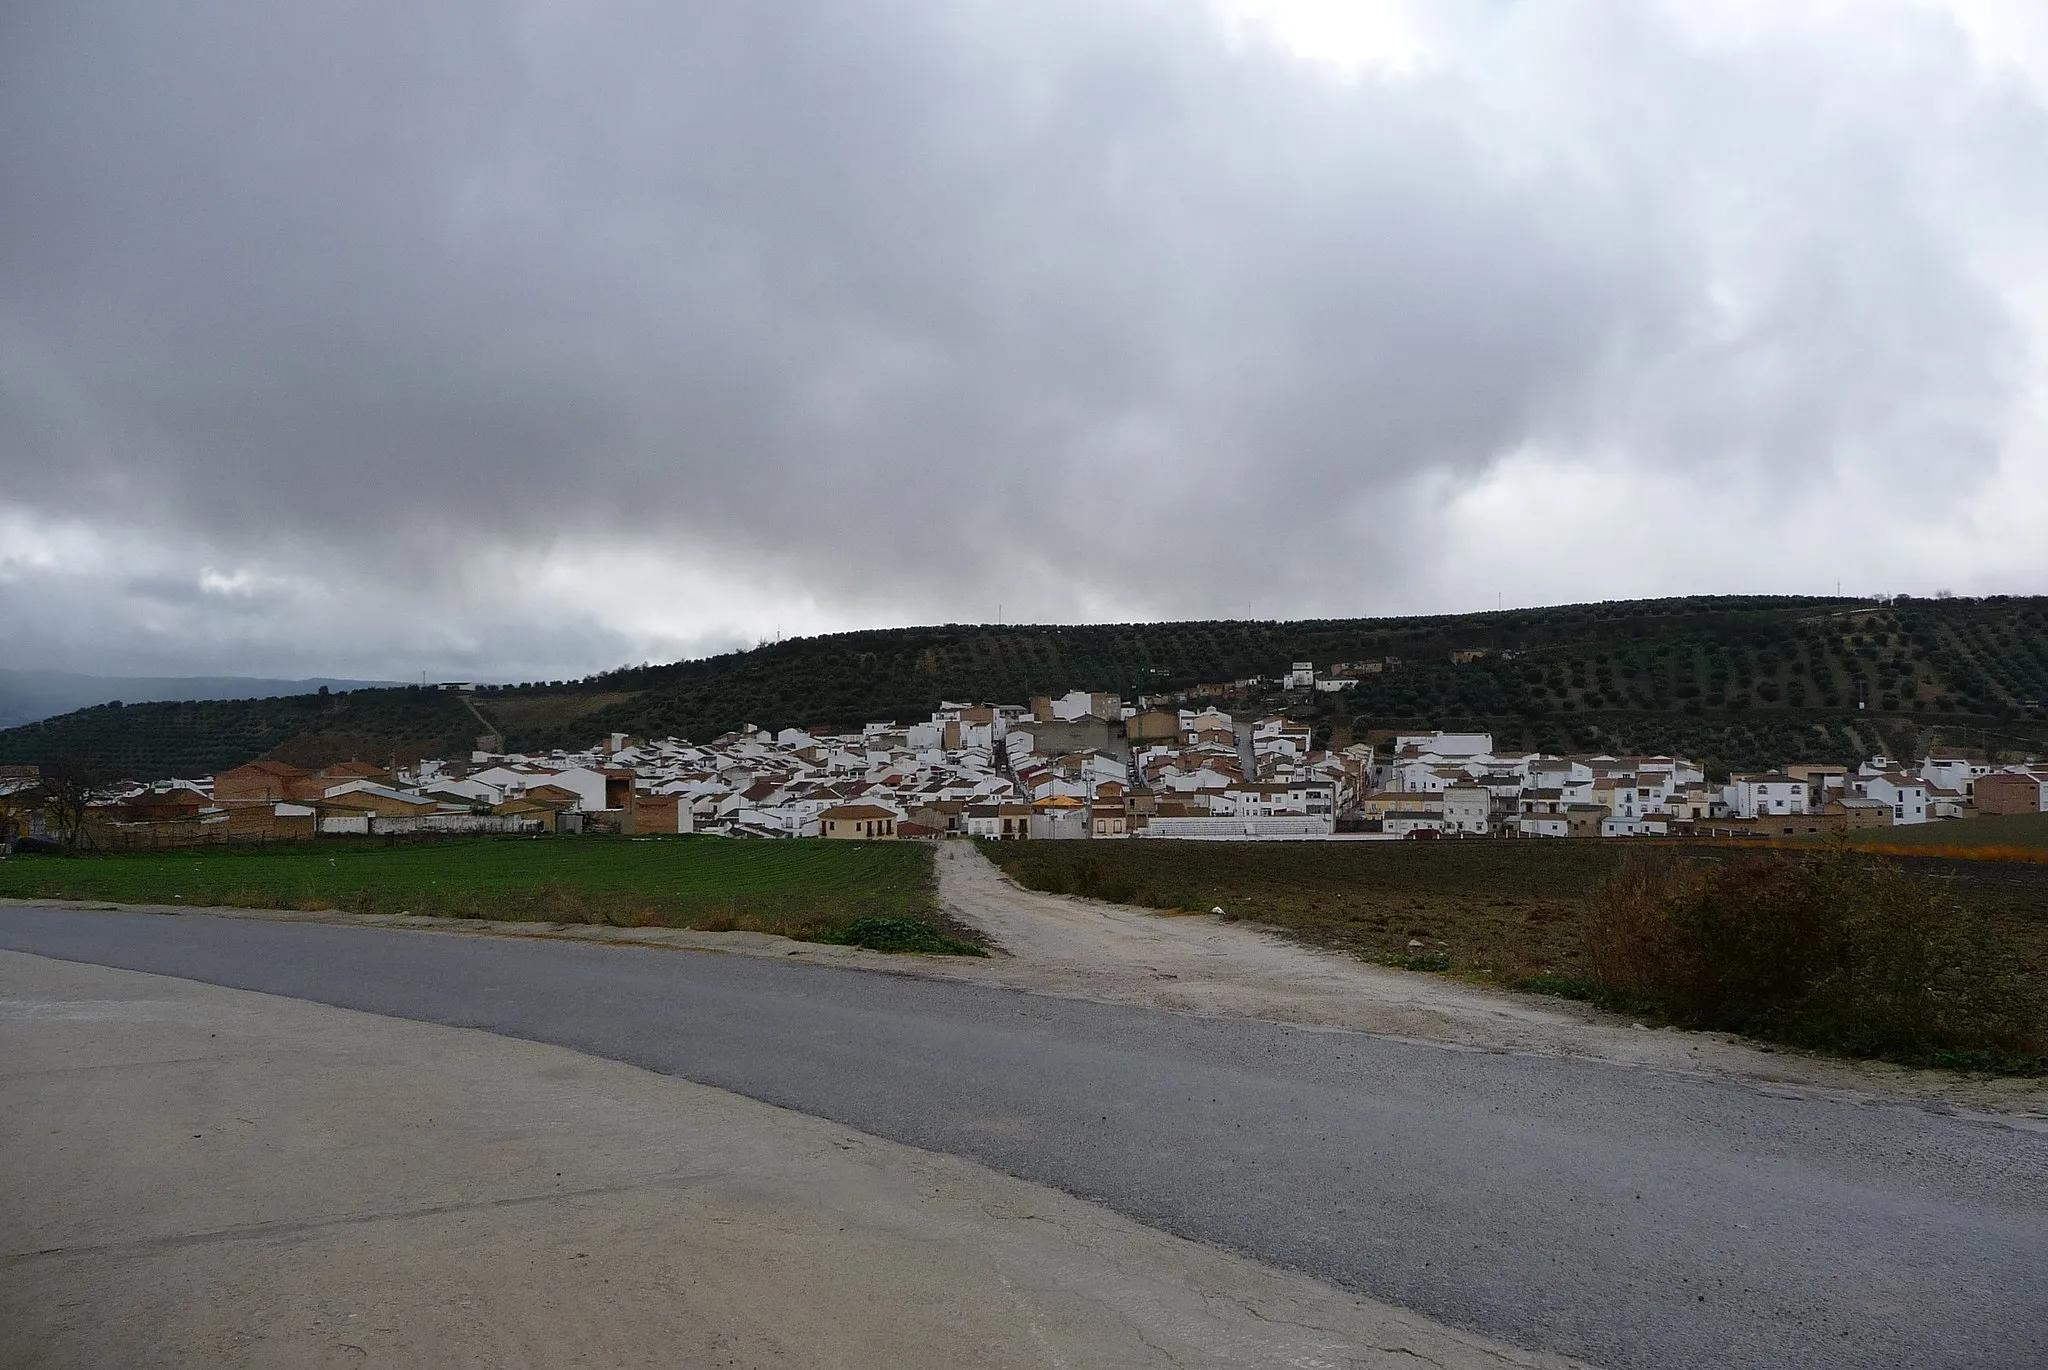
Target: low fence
[
  {"x": 123, "y": 837},
  {"x": 449, "y": 824},
  {"x": 179, "y": 835},
  {"x": 1238, "y": 829}
]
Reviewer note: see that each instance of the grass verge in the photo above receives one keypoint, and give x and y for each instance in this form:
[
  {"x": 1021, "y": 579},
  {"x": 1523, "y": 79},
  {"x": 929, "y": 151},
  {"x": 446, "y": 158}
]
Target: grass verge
[{"x": 853, "y": 893}]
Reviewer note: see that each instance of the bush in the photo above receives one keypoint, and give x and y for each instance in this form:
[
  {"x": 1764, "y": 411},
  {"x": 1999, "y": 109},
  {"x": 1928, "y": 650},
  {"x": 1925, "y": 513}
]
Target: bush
[
  {"x": 1094, "y": 880},
  {"x": 900, "y": 934},
  {"x": 1837, "y": 951}
]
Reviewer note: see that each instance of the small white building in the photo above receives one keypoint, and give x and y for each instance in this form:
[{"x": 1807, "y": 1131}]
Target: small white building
[
  {"x": 1467, "y": 809},
  {"x": 1654, "y": 826},
  {"x": 1402, "y": 824},
  {"x": 1907, "y": 796}
]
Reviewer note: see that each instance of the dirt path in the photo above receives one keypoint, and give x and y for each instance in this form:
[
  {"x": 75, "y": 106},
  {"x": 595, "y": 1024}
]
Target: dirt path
[{"x": 1080, "y": 948}]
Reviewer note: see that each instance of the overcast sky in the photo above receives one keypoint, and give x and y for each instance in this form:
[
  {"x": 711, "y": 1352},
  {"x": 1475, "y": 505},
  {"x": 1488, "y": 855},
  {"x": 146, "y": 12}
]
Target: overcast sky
[{"x": 517, "y": 340}]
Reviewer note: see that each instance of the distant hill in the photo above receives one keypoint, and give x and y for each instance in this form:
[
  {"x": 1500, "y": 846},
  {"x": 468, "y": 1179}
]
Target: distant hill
[
  {"x": 1739, "y": 681},
  {"x": 27, "y": 696}
]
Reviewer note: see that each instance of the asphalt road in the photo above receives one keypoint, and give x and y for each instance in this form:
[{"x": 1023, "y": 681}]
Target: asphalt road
[{"x": 1630, "y": 1218}]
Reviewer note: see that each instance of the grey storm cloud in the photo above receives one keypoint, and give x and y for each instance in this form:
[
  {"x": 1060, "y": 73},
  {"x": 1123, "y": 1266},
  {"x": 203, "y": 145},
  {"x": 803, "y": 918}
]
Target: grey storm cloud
[{"x": 903, "y": 309}]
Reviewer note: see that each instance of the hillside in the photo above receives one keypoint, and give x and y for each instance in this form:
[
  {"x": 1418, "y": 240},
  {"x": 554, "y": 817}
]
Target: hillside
[
  {"x": 193, "y": 738},
  {"x": 1739, "y": 681},
  {"x": 26, "y": 696}
]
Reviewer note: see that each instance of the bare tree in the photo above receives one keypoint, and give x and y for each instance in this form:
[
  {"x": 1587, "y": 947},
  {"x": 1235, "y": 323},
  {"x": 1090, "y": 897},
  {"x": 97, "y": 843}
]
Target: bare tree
[{"x": 68, "y": 793}]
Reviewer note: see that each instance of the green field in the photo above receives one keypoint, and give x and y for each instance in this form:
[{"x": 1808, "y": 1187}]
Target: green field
[
  {"x": 807, "y": 889},
  {"x": 1509, "y": 912}
]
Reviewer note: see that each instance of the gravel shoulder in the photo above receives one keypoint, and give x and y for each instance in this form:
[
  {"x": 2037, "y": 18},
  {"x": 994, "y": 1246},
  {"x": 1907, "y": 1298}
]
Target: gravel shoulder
[{"x": 200, "y": 1175}]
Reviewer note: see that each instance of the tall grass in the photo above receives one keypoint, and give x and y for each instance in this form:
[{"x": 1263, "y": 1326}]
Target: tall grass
[{"x": 1837, "y": 951}]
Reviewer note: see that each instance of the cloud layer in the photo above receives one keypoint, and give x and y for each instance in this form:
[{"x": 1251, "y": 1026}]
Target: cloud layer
[{"x": 526, "y": 339}]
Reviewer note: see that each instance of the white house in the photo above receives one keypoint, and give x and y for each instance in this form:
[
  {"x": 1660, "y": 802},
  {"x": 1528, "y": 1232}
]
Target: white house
[
  {"x": 1314, "y": 796},
  {"x": 1079, "y": 704},
  {"x": 1448, "y": 744},
  {"x": 1654, "y": 826},
  {"x": 1766, "y": 796},
  {"x": 586, "y": 783},
  {"x": 1178, "y": 780},
  {"x": 1949, "y": 804},
  {"x": 1424, "y": 776},
  {"x": 1401, "y": 824},
  {"x": 469, "y": 790},
  {"x": 999, "y": 820},
  {"x": 1948, "y": 771},
  {"x": 1907, "y": 796},
  {"x": 1281, "y": 737}
]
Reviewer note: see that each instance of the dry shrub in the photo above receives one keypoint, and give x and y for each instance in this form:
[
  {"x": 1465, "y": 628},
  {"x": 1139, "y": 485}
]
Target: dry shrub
[
  {"x": 1838, "y": 951},
  {"x": 1088, "y": 875},
  {"x": 1632, "y": 945}
]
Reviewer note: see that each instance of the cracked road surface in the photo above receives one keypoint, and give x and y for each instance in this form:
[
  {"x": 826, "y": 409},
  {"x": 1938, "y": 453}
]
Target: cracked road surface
[{"x": 1626, "y": 1216}]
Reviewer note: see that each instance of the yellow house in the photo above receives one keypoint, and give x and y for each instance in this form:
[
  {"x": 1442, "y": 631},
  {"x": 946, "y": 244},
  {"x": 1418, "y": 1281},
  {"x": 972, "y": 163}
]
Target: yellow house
[
  {"x": 530, "y": 811},
  {"x": 856, "y": 822},
  {"x": 1382, "y": 804}
]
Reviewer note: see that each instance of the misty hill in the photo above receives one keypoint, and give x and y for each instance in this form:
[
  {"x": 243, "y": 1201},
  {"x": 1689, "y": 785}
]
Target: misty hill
[
  {"x": 1743, "y": 681},
  {"x": 26, "y": 696}
]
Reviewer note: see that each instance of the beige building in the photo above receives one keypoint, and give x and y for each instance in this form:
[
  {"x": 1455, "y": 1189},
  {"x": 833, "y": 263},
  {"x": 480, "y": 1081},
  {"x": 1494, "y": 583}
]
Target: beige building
[
  {"x": 1857, "y": 813},
  {"x": 1109, "y": 820},
  {"x": 375, "y": 801},
  {"x": 857, "y": 822},
  {"x": 1005, "y": 821},
  {"x": 1383, "y": 804},
  {"x": 1158, "y": 725}
]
